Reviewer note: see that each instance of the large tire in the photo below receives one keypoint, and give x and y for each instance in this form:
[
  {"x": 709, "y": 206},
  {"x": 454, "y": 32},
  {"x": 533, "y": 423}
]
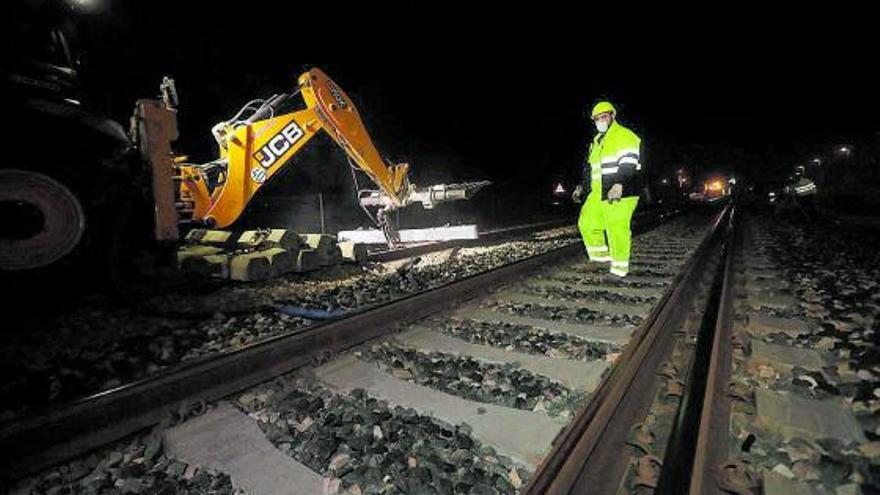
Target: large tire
[
  {"x": 41, "y": 220},
  {"x": 55, "y": 237}
]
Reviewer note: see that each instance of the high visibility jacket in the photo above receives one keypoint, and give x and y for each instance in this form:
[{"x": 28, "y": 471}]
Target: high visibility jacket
[{"x": 614, "y": 158}]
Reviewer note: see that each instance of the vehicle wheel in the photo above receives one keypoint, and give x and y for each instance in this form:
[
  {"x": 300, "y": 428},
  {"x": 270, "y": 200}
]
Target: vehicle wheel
[{"x": 41, "y": 220}]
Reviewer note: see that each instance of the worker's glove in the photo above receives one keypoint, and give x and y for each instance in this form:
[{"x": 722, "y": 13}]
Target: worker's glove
[
  {"x": 615, "y": 193},
  {"x": 578, "y": 194}
]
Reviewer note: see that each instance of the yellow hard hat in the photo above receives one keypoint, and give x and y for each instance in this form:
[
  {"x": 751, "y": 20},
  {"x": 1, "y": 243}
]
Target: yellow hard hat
[{"x": 602, "y": 107}]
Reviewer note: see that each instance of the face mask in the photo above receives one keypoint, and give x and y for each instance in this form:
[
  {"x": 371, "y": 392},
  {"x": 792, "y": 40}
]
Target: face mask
[{"x": 602, "y": 126}]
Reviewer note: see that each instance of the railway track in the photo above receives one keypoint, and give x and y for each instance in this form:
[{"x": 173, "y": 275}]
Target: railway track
[
  {"x": 57, "y": 358},
  {"x": 789, "y": 404},
  {"x": 520, "y": 365}
]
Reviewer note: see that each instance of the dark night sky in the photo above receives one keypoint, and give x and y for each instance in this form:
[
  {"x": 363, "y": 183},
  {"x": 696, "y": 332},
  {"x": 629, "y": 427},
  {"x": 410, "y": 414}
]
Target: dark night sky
[{"x": 489, "y": 98}]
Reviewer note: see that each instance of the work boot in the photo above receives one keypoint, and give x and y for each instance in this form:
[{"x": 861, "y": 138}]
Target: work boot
[{"x": 619, "y": 268}]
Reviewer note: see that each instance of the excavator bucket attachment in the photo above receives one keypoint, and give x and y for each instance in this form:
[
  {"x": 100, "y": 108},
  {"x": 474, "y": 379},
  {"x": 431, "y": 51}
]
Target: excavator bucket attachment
[
  {"x": 442, "y": 193},
  {"x": 428, "y": 196}
]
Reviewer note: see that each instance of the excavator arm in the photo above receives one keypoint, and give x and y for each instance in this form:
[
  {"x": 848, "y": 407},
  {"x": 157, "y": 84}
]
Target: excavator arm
[
  {"x": 341, "y": 120},
  {"x": 254, "y": 149}
]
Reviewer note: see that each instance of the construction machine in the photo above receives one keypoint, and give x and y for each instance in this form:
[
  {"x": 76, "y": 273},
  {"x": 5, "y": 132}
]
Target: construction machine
[
  {"x": 80, "y": 191},
  {"x": 256, "y": 144}
]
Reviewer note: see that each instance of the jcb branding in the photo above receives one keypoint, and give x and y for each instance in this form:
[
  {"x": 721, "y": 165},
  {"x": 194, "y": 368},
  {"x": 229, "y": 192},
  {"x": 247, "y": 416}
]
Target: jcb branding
[
  {"x": 337, "y": 95},
  {"x": 278, "y": 145}
]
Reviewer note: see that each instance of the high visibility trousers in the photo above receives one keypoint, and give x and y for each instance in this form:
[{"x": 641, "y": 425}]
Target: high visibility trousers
[{"x": 602, "y": 219}]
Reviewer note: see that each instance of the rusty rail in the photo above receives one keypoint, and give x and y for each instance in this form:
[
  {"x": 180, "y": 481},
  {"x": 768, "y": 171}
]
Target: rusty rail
[{"x": 586, "y": 457}]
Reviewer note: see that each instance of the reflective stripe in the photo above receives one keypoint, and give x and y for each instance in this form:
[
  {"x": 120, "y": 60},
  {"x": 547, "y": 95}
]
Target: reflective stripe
[
  {"x": 596, "y": 176},
  {"x": 610, "y": 170},
  {"x": 620, "y": 154},
  {"x": 600, "y": 258},
  {"x": 620, "y": 159},
  {"x": 597, "y": 249},
  {"x": 620, "y": 264},
  {"x": 619, "y": 272}
]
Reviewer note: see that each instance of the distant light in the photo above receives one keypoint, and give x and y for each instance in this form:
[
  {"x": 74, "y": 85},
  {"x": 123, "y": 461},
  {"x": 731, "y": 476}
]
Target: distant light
[
  {"x": 86, "y": 5},
  {"x": 559, "y": 189},
  {"x": 664, "y": 181},
  {"x": 806, "y": 188}
]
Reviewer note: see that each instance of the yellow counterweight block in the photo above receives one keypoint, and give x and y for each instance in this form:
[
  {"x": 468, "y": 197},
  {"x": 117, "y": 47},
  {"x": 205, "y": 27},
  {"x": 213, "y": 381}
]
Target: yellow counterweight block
[{"x": 256, "y": 152}]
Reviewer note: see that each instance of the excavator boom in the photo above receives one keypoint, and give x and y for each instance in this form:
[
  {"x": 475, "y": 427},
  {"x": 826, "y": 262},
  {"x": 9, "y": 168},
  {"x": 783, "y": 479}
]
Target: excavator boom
[{"x": 254, "y": 149}]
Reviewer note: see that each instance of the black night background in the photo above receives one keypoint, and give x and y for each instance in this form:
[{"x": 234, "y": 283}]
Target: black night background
[
  {"x": 243, "y": 311},
  {"x": 468, "y": 97}
]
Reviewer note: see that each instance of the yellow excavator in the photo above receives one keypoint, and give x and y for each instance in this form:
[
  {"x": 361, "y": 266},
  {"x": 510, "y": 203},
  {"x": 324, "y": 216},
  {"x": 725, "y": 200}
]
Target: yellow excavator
[
  {"x": 51, "y": 212},
  {"x": 256, "y": 144}
]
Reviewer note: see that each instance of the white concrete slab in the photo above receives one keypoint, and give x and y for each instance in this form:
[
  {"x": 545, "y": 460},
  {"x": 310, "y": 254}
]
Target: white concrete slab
[
  {"x": 760, "y": 281},
  {"x": 794, "y": 416},
  {"x": 375, "y": 236},
  {"x": 775, "y": 355},
  {"x": 515, "y": 296},
  {"x": 654, "y": 264},
  {"x": 648, "y": 256},
  {"x": 227, "y": 440},
  {"x": 603, "y": 278},
  {"x": 524, "y": 436},
  {"x": 759, "y": 324},
  {"x": 626, "y": 291},
  {"x": 579, "y": 375},
  {"x": 757, "y": 299},
  {"x": 613, "y": 335}
]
